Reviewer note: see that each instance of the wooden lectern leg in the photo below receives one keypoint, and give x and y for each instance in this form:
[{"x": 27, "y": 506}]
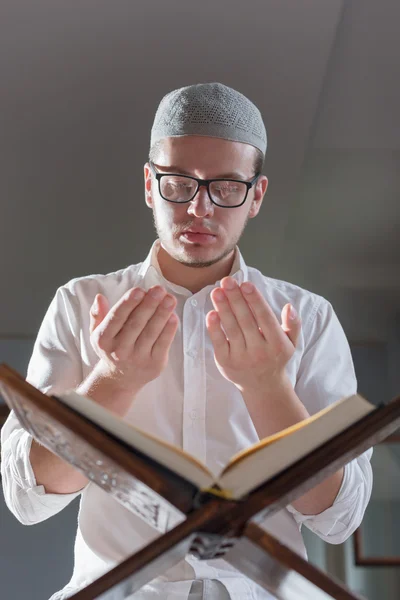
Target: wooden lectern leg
[
  {"x": 152, "y": 560},
  {"x": 217, "y": 530},
  {"x": 133, "y": 573},
  {"x": 276, "y": 568}
]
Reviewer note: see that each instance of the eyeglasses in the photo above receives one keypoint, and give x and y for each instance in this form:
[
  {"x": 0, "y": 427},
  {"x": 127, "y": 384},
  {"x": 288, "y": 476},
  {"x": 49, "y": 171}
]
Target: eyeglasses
[{"x": 226, "y": 193}]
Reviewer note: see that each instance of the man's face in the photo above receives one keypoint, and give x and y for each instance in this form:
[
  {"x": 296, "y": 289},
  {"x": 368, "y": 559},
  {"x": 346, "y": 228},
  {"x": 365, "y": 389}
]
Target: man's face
[{"x": 205, "y": 158}]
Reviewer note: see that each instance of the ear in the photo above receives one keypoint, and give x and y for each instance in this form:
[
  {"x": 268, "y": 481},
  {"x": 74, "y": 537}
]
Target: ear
[
  {"x": 259, "y": 192},
  {"x": 147, "y": 185}
]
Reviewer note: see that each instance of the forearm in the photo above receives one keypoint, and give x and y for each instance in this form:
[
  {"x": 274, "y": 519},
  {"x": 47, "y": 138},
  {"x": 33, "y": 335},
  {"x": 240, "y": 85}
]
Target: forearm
[
  {"x": 58, "y": 476},
  {"x": 320, "y": 497},
  {"x": 275, "y": 408}
]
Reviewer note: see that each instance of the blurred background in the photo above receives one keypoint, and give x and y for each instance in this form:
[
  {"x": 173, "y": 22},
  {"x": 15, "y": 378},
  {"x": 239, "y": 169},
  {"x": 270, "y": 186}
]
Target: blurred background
[{"x": 79, "y": 86}]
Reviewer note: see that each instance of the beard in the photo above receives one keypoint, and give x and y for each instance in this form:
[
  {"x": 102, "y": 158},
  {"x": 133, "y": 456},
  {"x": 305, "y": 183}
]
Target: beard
[{"x": 181, "y": 256}]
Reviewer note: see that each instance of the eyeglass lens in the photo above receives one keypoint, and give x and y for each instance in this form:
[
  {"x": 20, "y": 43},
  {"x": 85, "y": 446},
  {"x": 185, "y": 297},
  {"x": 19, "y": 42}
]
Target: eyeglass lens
[{"x": 182, "y": 189}]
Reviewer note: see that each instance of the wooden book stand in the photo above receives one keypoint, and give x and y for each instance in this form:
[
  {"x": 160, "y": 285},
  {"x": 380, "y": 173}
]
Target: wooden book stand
[{"x": 211, "y": 526}]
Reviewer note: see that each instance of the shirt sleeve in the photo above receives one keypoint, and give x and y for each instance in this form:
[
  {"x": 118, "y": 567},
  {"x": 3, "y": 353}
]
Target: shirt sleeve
[
  {"x": 327, "y": 374},
  {"x": 54, "y": 367}
]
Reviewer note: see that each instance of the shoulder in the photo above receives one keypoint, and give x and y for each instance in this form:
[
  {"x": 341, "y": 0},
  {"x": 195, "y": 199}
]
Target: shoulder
[{"x": 82, "y": 290}]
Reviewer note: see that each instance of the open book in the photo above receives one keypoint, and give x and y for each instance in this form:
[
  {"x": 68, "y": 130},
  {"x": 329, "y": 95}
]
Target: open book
[{"x": 247, "y": 469}]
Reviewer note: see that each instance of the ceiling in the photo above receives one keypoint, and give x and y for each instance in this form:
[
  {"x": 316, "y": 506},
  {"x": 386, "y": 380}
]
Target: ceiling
[{"x": 80, "y": 83}]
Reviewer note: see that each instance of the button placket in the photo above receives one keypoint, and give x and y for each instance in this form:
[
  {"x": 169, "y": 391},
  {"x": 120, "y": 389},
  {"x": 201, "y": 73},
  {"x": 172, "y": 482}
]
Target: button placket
[
  {"x": 192, "y": 353},
  {"x": 194, "y": 379}
]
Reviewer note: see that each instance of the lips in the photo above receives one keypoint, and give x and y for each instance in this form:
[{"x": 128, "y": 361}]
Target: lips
[
  {"x": 205, "y": 231},
  {"x": 198, "y": 237}
]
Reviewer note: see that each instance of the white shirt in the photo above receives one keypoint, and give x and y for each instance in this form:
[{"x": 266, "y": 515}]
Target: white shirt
[{"x": 191, "y": 405}]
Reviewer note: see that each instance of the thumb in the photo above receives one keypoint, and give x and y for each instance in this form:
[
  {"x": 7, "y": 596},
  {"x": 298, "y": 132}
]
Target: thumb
[
  {"x": 291, "y": 323},
  {"x": 98, "y": 311}
]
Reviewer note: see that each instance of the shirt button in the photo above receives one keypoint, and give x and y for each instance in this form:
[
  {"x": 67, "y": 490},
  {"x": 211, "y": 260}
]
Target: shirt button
[
  {"x": 194, "y": 302},
  {"x": 193, "y": 414},
  {"x": 192, "y": 353}
]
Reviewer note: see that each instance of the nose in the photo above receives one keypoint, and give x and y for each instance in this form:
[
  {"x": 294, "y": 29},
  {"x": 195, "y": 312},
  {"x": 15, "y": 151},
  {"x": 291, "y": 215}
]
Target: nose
[{"x": 201, "y": 205}]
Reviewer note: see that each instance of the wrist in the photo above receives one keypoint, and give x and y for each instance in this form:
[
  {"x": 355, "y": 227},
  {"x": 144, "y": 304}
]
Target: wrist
[
  {"x": 110, "y": 376},
  {"x": 277, "y": 383},
  {"x": 104, "y": 387},
  {"x": 273, "y": 406}
]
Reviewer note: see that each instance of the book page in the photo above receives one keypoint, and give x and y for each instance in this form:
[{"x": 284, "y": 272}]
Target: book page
[
  {"x": 278, "y": 435},
  {"x": 170, "y": 456},
  {"x": 255, "y": 465}
]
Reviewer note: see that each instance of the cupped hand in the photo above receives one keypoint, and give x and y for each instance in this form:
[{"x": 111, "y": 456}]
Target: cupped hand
[
  {"x": 251, "y": 347},
  {"x": 133, "y": 338}
]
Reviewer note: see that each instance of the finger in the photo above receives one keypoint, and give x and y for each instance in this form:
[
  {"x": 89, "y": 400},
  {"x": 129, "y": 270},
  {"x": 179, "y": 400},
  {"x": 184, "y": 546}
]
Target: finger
[
  {"x": 119, "y": 313},
  {"x": 97, "y": 312},
  {"x": 291, "y": 323},
  {"x": 163, "y": 343},
  {"x": 139, "y": 317},
  {"x": 264, "y": 315},
  {"x": 228, "y": 319},
  {"x": 242, "y": 311},
  {"x": 217, "y": 336},
  {"x": 155, "y": 325}
]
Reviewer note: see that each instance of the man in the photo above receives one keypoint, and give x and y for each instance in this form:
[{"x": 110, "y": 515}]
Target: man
[{"x": 192, "y": 345}]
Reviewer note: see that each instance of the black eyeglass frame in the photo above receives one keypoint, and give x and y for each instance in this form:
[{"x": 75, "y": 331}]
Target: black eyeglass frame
[{"x": 202, "y": 182}]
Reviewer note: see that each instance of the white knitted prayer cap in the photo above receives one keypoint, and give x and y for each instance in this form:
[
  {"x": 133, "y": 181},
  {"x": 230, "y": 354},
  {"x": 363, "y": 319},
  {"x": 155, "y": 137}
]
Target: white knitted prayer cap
[{"x": 209, "y": 109}]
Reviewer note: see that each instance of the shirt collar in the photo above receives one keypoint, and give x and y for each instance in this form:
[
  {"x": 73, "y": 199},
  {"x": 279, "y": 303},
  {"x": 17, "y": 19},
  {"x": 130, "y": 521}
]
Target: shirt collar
[{"x": 150, "y": 271}]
